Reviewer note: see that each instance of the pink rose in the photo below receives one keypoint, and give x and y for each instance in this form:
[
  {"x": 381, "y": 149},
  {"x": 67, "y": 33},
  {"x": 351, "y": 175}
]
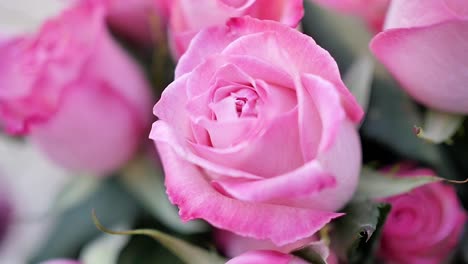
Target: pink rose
[
  {"x": 424, "y": 226},
  {"x": 257, "y": 132},
  {"x": 424, "y": 47},
  {"x": 188, "y": 16},
  {"x": 75, "y": 92},
  {"x": 266, "y": 256},
  {"x": 372, "y": 11}
]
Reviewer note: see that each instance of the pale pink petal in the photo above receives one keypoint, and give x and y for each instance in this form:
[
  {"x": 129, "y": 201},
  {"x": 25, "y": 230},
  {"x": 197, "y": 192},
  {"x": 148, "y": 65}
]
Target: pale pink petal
[
  {"x": 238, "y": 4},
  {"x": 265, "y": 256},
  {"x": 161, "y": 131},
  {"x": 305, "y": 181},
  {"x": 346, "y": 150},
  {"x": 111, "y": 63},
  {"x": 436, "y": 71},
  {"x": 233, "y": 245},
  {"x": 276, "y": 100},
  {"x": 404, "y": 13},
  {"x": 227, "y": 134},
  {"x": 460, "y": 7},
  {"x": 87, "y": 113},
  {"x": 258, "y": 154},
  {"x": 187, "y": 188},
  {"x": 326, "y": 101},
  {"x": 171, "y": 106}
]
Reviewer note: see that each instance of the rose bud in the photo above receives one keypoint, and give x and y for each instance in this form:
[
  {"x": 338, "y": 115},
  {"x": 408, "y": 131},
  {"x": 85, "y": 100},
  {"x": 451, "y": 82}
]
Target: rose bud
[
  {"x": 424, "y": 48},
  {"x": 187, "y": 17},
  {"x": 257, "y": 139},
  {"x": 75, "y": 92},
  {"x": 424, "y": 225}
]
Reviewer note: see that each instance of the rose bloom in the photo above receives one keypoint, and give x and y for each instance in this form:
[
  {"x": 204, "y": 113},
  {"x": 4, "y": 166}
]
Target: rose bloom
[
  {"x": 257, "y": 132},
  {"x": 424, "y": 225},
  {"x": 75, "y": 92},
  {"x": 187, "y": 17},
  {"x": 372, "y": 11},
  {"x": 424, "y": 46},
  {"x": 266, "y": 256}
]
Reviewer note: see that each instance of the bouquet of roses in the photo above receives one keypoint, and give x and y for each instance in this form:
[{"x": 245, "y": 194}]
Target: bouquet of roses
[{"x": 283, "y": 131}]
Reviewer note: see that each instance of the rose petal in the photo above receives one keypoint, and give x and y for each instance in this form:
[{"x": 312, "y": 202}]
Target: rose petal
[
  {"x": 403, "y": 13},
  {"x": 265, "y": 256},
  {"x": 323, "y": 96},
  {"x": 233, "y": 245},
  {"x": 87, "y": 112},
  {"x": 187, "y": 188},
  {"x": 260, "y": 154},
  {"x": 307, "y": 180},
  {"x": 171, "y": 106},
  {"x": 228, "y": 133},
  {"x": 435, "y": 74},
  {"x": 161, "y": 131}
]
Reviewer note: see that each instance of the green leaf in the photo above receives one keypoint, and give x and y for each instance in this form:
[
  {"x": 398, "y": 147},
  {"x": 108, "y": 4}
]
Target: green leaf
[
  {"x": 358, "y": 79},
  {"x": 104, "y": 250},
  {"x": 354, "y": 235},
  {"x": 439, "y": 127},
  {"x": 74, "y": 228},
  {"x": 390, "y": 121},
  {"x": 145, "y": 181},
  {"x": 188, "y": 253},
  {"x": 375, "y": 184}
]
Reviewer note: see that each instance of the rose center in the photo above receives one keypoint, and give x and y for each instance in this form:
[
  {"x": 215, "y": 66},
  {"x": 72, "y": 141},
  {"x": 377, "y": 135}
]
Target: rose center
[{"x": 245, "y": 103}]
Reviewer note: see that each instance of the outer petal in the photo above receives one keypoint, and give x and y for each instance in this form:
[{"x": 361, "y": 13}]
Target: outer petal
[
  {"x": 283, "y": 45},
  {"x": 403, "y": 13},
  {"x": 187, "y": 188},
  {"x": 343, "y": 161},
  {"x": 265, "y": 256},
  {"x": 430, "y": 62},
  {"x": 109, "y": 62},
  {"x": 320, "y": 115},
  {"x": 233, "y": 245},
  {"x": 78, "y": 135},
  {"x": 171, "y": 106},
  {"x": 302, "y": 182}
]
